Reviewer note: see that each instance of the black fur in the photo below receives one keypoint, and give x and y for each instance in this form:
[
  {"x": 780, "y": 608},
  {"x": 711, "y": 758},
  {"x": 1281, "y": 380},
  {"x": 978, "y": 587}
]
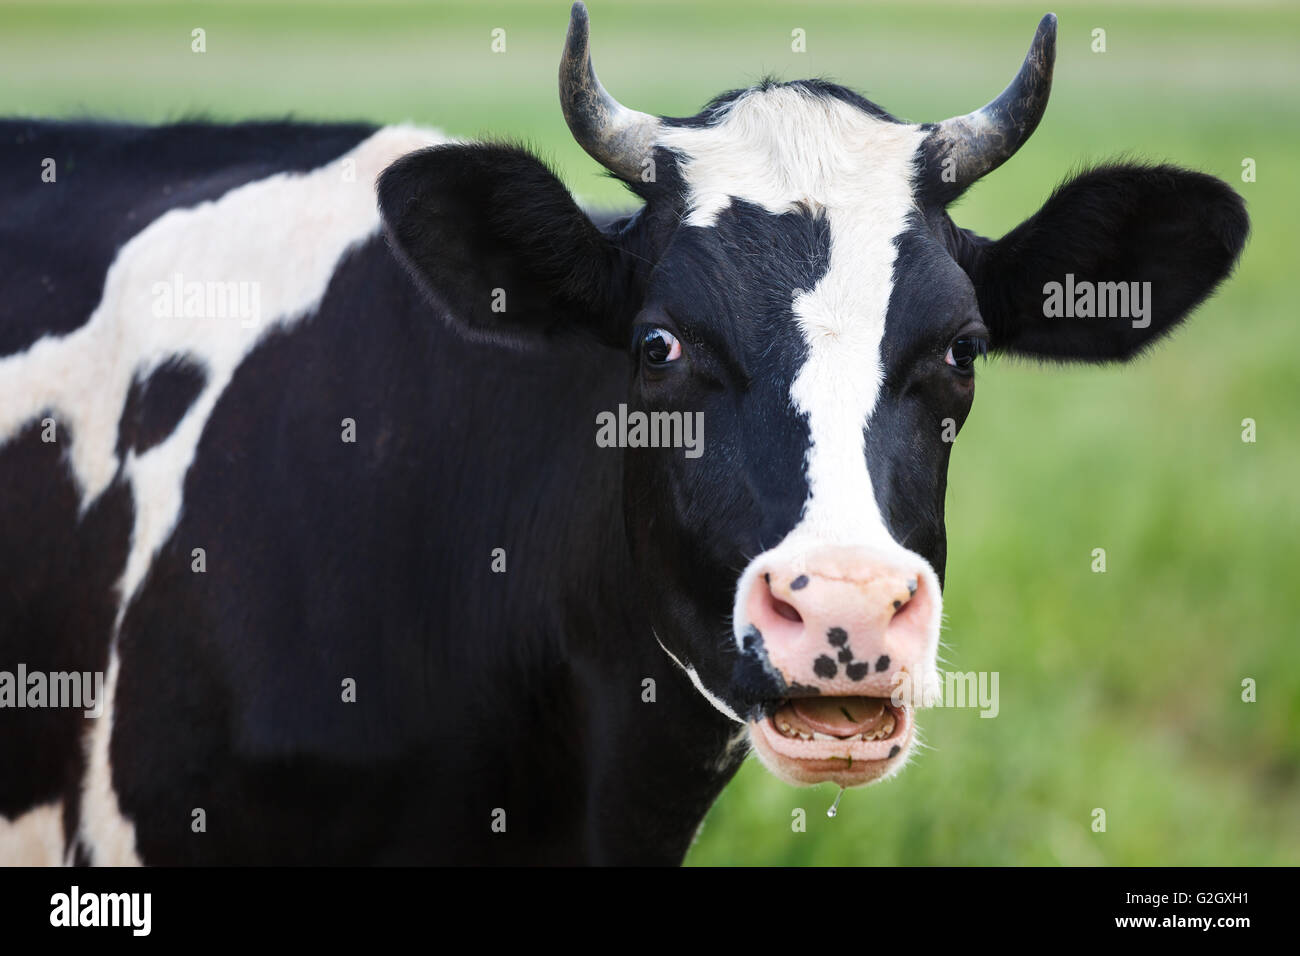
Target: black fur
[{"x": 157, "y": 403}]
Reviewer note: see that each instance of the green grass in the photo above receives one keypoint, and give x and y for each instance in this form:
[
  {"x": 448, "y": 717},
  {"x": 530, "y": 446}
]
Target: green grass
[{"x": 1119, "y": 691}]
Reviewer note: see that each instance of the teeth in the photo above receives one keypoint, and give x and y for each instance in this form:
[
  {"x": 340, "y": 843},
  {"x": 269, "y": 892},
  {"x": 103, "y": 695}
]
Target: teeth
[{"x": 883, "y": 731}]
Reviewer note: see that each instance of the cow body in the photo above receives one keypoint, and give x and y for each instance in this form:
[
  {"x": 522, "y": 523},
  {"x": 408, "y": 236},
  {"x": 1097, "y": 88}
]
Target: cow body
[
  {"x": 314, "y": 481},
  {"x": 325, "y": 561}
]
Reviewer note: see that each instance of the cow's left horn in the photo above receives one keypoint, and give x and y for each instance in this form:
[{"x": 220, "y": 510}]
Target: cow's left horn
[
  {"x": 980, "y": 142},
  {"x": 618, "y": 138}
]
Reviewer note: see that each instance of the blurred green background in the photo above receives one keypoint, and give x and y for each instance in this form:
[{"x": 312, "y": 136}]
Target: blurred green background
[{"x": 1119, "y": 691}]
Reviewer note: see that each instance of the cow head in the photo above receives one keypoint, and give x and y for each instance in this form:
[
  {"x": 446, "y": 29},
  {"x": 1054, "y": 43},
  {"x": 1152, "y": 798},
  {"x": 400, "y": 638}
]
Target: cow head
[{"x": 794, "y": 279}]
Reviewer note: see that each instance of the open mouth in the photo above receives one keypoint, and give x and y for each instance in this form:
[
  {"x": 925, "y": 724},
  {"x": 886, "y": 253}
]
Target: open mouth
[{"x": 847, "y": 740}]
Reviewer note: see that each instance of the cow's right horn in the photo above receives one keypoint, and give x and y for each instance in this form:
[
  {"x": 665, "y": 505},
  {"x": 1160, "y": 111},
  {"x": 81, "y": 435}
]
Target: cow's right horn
[{"x": 618, "y": 138}]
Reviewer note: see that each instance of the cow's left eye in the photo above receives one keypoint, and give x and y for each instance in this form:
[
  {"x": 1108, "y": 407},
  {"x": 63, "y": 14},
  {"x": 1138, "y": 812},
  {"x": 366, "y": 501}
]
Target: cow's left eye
[
  {"x": 964, "y": 351},
  {"x": 660, "y": 346}
]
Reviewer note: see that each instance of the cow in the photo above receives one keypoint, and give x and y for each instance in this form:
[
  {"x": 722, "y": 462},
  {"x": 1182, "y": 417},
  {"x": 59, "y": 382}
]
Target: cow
[{"x": 325, "y": 446}]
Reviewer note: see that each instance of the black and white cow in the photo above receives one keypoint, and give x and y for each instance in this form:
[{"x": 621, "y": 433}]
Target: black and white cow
[{"x": 433, "y": 642}]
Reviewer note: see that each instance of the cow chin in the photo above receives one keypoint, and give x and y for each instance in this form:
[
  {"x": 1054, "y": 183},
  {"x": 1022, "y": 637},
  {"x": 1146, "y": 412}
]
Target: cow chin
[{"x": 798, "y": 753}]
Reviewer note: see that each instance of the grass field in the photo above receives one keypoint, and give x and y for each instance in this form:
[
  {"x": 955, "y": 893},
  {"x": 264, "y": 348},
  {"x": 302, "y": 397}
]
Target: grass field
[{"x": 1119, "y": 691}]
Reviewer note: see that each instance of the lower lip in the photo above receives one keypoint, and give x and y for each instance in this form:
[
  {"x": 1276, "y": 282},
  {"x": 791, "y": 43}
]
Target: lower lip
[{"x": 838, "y": 758}]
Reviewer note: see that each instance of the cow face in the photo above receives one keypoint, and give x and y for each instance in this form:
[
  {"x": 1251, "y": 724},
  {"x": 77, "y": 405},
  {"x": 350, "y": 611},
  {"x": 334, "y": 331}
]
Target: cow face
[
  {"x": 815, "y": 514},
  {"x": 793, "y": 283}
]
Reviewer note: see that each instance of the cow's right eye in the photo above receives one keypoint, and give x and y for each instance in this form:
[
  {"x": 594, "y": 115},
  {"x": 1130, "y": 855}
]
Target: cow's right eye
[{"x": 659, "y": 346}]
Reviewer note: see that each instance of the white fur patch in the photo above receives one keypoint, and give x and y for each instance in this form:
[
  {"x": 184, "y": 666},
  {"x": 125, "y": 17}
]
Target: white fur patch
[
  {"x": 784, "y": 149},
  {"x": 33, "y": 839},
  {"x": 285, "y": 235},
  {"x": 105, "y": 832}
]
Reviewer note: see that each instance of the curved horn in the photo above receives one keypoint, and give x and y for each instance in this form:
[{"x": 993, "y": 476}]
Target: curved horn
[
  {"x": 982, "y": 141},
  {"x": 616, "y": 137}
]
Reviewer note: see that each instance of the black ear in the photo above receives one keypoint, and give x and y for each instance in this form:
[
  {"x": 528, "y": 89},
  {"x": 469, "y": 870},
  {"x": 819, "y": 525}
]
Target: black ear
[
  {"x": 1179, "y": 231},
  {"x": 496, "y": 242}
]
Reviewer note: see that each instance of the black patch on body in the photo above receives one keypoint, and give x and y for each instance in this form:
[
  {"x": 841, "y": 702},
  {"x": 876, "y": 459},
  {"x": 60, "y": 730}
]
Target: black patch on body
[
  {"x": 156, "y": 404},
  {"x": 60, "y": 570}
]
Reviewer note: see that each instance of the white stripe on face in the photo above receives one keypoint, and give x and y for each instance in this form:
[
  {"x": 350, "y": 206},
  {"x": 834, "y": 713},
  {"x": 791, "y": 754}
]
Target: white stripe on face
[{"x": 785, "y": 149}]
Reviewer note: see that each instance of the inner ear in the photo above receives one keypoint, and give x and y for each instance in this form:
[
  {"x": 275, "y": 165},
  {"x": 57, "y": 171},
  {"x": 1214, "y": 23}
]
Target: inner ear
[{"x": 498, "y": 245}]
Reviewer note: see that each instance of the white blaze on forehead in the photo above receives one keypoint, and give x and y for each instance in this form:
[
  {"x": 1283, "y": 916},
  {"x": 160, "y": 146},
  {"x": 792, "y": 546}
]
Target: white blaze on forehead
[{"x": 784, "y": 149}]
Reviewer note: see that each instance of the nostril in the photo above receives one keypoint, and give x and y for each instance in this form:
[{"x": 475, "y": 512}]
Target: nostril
[
  {"x": 905, "y": 602},
  {"x": 778, "y": 620},
  {"x": 786, "y": 610}
]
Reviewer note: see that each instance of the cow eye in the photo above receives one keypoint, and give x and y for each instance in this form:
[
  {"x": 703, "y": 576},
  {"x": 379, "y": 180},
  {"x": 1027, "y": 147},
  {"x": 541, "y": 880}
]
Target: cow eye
[
  {"x": 659, "y": 346},
  {"x": 963, "y": 352}
]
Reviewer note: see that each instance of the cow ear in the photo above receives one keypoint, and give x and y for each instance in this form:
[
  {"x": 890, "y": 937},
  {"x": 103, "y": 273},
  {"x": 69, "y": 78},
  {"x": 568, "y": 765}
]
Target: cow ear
[
  {"x": 494, "y": 239},
  {"x": 1168, "y": 234}
]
